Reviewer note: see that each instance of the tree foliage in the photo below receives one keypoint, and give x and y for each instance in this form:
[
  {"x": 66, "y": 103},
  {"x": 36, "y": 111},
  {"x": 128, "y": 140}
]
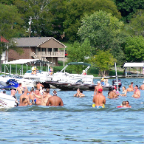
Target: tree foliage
[
  {"x": 136, "y": 25},
  {"x": 11, "y": 26},
  {"x": 79, "y": 52},
  {"x": 104, "y": 32},
  {"x": 134, "y": 49},
  {"x": 76, "y": 9},
  {"x": 129, "y": 7},
  {"x": 103, "y": 60}
]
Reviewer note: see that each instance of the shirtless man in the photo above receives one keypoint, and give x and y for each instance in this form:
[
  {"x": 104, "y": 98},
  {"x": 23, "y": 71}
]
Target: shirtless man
[
  {"x": 24, "y": 102},
  {"x": 97, "y": 87},
  {"x": 54, "y": 100},
  {"x": 39, "y": 86},
  {"x": 136, "y": 92},
  {"x": 99, "y": 99},
  {"x": 129, "y": 89},
  {"x": 31, "y": 96},
  {"x": 142, "y": 86},
  {"x": 37, "y": 97},
  {"x": 44, "y": 98},
  {"x": 20, "y": 89},
  {"x": 112, "y": 94},
  {"x": 24, "y": 95},
  {"x": 48, "y": 93}
]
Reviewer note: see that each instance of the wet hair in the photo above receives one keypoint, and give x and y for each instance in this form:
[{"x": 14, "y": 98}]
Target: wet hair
[
  {"x": 124, "y": 87},
  {"x": 47, "y": 90},
  {"x": 131, "y": 82},
  {"x": 111, "y": 89},
  {"x": 124, "y": 103},
  {"x": 137, "y": 86},
  {"x": 32, "y": 89},
  {"x": 23, "y": 99},
  {"x": 81, "y": 91},
  {"x": 127, "y": 101},
  {"x": 54, "y": 92}
]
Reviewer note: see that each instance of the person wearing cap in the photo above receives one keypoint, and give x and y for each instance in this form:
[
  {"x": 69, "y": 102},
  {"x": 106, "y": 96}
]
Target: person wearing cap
[
  {"x": 54, "y": 100},
  {"x": 99, "y": 99},
  {"x": 142, "y": 86},
  {"x": 136, "y": 92},
  {"x": 97, "y": 87}
]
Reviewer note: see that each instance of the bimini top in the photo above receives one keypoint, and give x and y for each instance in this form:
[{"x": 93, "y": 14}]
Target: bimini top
[
  {"x": 133, "y": 64},
  {"x": 78, "y": 63}
]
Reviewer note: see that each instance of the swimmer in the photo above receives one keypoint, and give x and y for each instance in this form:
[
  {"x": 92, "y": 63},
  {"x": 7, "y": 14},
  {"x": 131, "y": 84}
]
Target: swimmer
[
  {"x": 39, "y": 86},
  {"x": 37, "y": 97},
  {"x": 142, "y": 86},
  {"x": 123, "y": 105},
  {"x": 24, "y": 102},
  {"x": 48, "y": 92},
  {"x": 124, "y": 92},
  {"x": 130, "y": 88},
  {"x": 44, "y": 98},
  {"x": 20, "y": 89},
  {"x": 54, "y": 100},
  {"x": 99, "y": 99},
  {"x": 31, "y": 96},
  {"x": 136, "y": 92},
  {"x": 97, "y": 87},
  {"x": 112, "y": 93},
  {"x": 127, "y": 104},
  {"x": 24, "y": 95},
  {"x": 79, "y": 93}
]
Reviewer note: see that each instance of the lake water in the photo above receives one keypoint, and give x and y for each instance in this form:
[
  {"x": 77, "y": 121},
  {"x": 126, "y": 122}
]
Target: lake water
[{"x": 76, "y": 122}]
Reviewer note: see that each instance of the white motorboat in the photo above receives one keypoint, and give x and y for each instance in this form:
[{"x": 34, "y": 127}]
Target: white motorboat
[{"x": 7, "y": 101}]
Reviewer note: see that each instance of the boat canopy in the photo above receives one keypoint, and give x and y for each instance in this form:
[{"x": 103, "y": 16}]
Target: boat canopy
[
  {"x": 133, "y": 64},
  {"x": 78, "y": 63}
]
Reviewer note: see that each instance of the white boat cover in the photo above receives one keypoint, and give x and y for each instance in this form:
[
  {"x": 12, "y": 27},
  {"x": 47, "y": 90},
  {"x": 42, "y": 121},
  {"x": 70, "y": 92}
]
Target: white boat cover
[{"x": 134, "y": 64}]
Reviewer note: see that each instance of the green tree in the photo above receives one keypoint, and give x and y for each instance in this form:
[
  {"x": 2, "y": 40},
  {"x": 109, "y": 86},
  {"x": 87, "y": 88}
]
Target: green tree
[
  {"x": 103, "y": 60},
  {"x": 134, "y": 49},
  {"x": 104, "y": 32},
  {"x": 76, "y": 9},
  {"x": 136, "y": 24},
  {"x": 79, "y": 52},
  {"x": 10, "y": 24},
  {"x": 35, "y": 11},
  {"x": 129, "y": 7}
]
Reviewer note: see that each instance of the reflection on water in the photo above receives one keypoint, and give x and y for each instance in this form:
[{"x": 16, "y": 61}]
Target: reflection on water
[{"x": 76, "y": 121}]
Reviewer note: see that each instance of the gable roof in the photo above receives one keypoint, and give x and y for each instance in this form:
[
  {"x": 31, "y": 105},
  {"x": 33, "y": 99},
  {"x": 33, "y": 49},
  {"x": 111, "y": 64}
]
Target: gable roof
[
  {"x": 33, "y": 41},
  {"x": 2, "y": 39}
]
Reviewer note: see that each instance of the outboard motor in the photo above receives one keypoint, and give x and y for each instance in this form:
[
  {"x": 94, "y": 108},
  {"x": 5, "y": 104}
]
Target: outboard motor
[{"x": 114, "y": 83}]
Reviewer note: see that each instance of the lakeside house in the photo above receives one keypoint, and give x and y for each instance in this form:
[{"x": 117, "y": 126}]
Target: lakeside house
[{"x": 43, "y": 48}]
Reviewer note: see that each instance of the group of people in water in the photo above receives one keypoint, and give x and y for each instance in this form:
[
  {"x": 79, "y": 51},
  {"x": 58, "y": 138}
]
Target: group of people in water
[
  {"x": 40, "y": 96},
  {"x": 37, "y": 96}
]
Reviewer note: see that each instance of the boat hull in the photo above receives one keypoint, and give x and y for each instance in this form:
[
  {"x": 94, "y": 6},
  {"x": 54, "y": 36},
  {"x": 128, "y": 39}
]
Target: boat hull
[{"x": 73, "y": 87}]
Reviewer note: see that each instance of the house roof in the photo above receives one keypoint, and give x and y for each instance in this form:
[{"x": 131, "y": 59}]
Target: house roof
[
  {"x": 33, "y": 41},
  {"x": 21, "y": 61},
  {"x": 134, "y": 64},
  {"x": 2, "y": 39}
]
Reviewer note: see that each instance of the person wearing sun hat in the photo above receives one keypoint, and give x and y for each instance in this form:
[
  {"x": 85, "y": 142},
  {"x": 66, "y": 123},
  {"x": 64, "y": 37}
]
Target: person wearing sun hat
[{"x": 99, "y": 99}]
